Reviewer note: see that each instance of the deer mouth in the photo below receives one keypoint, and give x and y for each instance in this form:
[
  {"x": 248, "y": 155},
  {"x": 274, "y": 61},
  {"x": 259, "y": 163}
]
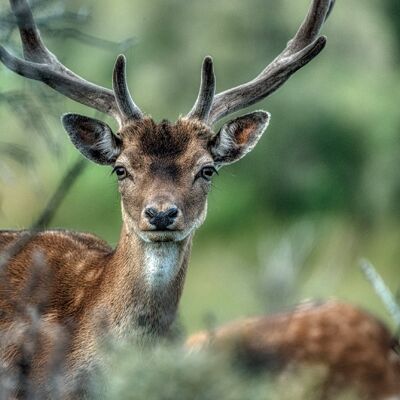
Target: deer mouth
[{"x": 167, "y": 235}]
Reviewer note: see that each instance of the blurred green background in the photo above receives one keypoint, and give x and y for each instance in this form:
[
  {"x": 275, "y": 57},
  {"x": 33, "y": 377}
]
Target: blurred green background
[{"x": 292, "y": 219}]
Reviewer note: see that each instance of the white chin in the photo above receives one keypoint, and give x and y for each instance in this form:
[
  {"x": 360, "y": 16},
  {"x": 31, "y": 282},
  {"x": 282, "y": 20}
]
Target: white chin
[{"x": 163, "y": 236}]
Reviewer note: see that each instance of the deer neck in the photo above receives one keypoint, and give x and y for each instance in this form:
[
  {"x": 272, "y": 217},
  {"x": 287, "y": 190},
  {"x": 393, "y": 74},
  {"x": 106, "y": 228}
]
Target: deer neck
[{"x": 145, "y": 282}]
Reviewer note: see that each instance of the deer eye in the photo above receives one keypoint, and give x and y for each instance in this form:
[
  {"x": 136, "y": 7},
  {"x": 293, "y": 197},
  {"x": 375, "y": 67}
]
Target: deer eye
[
  {"x": 207, "y": 173},
  {"x": 120, "y": 172}
]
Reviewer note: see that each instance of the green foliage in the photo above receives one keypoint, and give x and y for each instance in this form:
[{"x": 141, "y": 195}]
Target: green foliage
[
  {"x": 169, "y": 373},
  {"x": 392, "y": 8}
]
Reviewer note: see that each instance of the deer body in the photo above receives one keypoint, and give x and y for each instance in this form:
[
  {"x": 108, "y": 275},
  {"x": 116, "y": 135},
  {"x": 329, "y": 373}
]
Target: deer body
[
  {"x": 87, "y": 274},
  {"x": 164, "y": 172},
  {"x": 133, "y": 290},
  {"x": 356, "y": 349}
]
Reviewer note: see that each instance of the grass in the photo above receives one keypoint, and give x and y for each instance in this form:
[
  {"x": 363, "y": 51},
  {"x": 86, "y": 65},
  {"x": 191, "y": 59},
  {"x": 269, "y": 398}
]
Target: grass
[{"x": 168, "y": 373}]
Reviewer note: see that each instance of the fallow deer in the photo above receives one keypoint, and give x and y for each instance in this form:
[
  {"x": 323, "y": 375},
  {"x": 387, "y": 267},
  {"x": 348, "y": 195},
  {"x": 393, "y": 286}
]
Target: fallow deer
[
  {"x": 355, "y": 349},
  {"x": 164, "y": 172}
]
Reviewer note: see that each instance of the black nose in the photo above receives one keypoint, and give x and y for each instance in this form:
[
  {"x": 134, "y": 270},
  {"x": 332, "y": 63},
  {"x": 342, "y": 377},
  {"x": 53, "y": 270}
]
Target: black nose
[{"x": 161, "y": 219}]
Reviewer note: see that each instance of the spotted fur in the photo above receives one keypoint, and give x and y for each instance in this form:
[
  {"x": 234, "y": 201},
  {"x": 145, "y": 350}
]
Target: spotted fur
[{"x": 354, "y": 348}]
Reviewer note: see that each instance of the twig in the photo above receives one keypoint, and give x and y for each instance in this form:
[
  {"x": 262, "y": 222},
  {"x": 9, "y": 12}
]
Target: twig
[
  {"x": 63, "y": 188},
  {"x": 46, "y": 215},
  {"x": 91, "y": 40}
]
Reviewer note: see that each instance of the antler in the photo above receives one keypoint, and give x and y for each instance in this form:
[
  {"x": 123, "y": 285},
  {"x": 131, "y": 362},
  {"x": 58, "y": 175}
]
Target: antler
[
  {"x": 42, "y": 65},
  {"x": 299, "y": 51},
  {"x": 128, "y": 109},
  {"x": 202, "y": 107}
]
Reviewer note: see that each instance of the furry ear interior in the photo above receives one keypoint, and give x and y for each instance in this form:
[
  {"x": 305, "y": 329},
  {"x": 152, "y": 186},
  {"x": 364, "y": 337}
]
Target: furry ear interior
[
  {"x": 237, "y": 137},
  {"x": 93, "y": 138}
]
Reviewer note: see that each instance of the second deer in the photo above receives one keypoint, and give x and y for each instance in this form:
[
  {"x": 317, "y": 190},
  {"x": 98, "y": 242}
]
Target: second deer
[{"x": 355, "y": 349}]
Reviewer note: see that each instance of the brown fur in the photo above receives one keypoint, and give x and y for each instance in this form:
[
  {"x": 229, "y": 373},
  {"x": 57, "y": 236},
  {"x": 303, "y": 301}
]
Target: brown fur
[
  {"x": 162, "y": 161},
  {"x": 86, "y": 287},
  {"x": 354, "y": 346}
]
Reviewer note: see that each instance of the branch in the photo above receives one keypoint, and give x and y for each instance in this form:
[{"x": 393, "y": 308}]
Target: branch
[{"x": 46, "y": 216}]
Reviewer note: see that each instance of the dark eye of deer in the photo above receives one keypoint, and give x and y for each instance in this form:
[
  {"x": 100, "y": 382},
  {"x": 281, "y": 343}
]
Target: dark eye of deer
[
  {"x": 207, "y": 173},
  {"x": 120, "y": 172}
]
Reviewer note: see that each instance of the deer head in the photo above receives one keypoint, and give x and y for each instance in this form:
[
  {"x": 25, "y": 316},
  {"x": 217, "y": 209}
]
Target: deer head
[{"x": 164, "y": 169}]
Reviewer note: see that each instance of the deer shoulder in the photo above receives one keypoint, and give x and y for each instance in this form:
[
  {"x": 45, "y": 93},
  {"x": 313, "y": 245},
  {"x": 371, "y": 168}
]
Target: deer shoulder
[{"x": 67, "y": 262}]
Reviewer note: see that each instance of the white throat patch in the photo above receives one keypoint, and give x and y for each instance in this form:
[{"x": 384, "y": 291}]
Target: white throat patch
[{"x": 161, "y": 262}]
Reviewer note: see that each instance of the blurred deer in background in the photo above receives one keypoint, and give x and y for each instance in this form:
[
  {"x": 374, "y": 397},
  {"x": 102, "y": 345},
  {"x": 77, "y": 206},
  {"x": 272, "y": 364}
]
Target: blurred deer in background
[
  {"x": 356, "y": 350},
  {"x": 164, "y": 172}
]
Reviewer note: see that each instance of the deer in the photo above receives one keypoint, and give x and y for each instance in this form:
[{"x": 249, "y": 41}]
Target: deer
[
  {"x": 164, "y": 172},
  {"x": 355, "y": 349}
]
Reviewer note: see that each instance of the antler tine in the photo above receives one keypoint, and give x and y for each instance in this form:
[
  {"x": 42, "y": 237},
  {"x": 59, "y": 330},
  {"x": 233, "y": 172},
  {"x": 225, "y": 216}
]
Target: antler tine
[
  {"x": 128, "y": 109},
  {"x": 40, "y": 64},
  {"x": 305, "y": 46},
  {"x": 32, "y": 44},
  {"x": 202, "y": 106},
  {"x": 311, "y": 26}
]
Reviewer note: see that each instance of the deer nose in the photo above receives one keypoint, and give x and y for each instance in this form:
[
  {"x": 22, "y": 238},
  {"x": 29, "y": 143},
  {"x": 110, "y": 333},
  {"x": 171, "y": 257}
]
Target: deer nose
[{"x": 161, "y": 220}]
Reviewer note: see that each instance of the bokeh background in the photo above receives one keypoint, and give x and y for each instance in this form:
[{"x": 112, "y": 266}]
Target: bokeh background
[{"x": 291, "y": 220}]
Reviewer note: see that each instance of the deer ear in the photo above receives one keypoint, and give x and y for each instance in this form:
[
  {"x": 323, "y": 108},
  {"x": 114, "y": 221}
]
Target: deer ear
[
  {"x": 93, "y": 138},
  {"x": 236, "y": 138}
]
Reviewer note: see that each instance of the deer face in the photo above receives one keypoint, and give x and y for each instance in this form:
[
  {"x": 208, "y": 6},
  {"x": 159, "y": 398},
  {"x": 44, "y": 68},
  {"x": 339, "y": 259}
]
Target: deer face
[
  {"x": 166, "y": 173},
  {"x": 165, "y": 170}
]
